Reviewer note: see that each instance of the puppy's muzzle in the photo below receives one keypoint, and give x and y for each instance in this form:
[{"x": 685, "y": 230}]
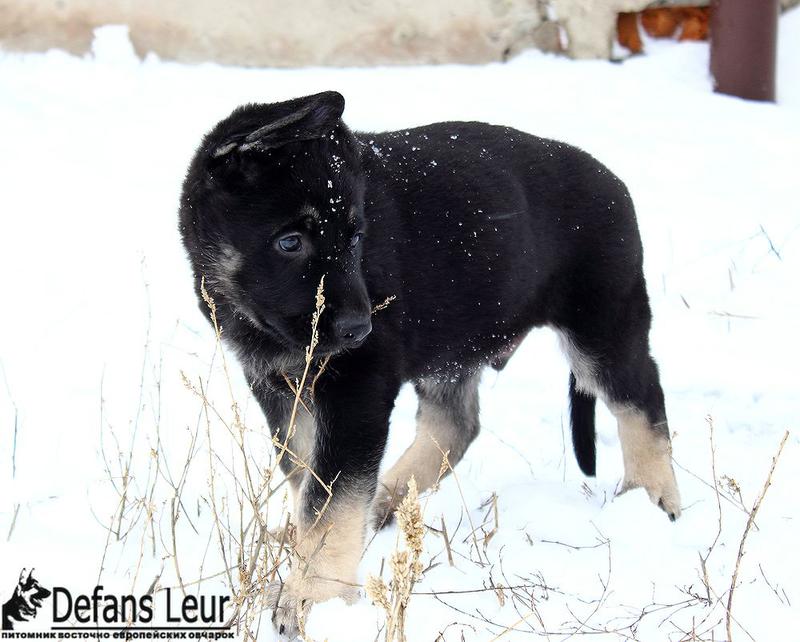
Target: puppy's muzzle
[{"x": 352, "y": 329}]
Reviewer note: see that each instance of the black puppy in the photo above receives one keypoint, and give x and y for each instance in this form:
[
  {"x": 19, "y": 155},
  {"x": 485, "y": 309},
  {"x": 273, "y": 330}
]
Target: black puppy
[
  {"x": 23, "y": 604},
  {"x": 480, "y": 232}
]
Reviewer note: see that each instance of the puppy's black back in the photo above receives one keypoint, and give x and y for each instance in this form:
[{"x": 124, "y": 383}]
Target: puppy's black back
[{"x": 486, "y": 231}]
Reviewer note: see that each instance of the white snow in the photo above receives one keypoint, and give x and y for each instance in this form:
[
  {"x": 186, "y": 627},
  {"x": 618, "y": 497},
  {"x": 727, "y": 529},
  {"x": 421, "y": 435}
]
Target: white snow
[{"x": 99, "y": 321}]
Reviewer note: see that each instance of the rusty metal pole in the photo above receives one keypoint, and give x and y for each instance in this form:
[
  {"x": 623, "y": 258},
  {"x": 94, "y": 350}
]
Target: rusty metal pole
[{"x": 744, "y": 36}]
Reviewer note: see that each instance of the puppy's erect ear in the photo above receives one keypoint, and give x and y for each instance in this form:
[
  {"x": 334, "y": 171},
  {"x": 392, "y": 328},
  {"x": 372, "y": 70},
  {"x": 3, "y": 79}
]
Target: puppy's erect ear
[{"x": 304, "y": 118}]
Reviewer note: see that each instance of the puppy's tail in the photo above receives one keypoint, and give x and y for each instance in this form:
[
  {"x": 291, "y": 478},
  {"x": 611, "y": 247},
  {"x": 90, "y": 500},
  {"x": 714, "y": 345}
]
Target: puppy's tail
[{"x": 582, "y": 418}]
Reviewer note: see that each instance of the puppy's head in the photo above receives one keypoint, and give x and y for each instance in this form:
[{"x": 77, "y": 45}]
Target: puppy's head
[{"x": 272, "y": 202}]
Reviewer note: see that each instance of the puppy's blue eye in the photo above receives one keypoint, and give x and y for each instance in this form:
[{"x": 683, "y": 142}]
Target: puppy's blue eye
[
  {"x": 291, "y": 243},
  {"x": 356, "y": 239}
]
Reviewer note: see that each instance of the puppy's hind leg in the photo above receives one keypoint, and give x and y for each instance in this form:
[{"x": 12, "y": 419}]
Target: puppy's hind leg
[
  {"x": 617, "y": 367},
  {"x": 447, "y": 422},
  {"x": 644, "y": 436}
]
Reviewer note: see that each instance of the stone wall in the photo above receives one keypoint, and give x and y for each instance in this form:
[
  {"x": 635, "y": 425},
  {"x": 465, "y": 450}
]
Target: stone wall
[
  {"x": 284, "y": 33},
  {"x": 324, "y": 32}
]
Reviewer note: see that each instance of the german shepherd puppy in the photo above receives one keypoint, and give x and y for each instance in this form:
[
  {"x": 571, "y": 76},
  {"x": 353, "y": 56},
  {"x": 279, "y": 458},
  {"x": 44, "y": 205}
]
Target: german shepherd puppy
[
  {"x": 480, "y": 232},
  {"x": 26, "y": 600}
]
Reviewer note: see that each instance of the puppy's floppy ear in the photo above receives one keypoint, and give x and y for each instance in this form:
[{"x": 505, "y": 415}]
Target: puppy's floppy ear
[{"x": 304, "y": 118}]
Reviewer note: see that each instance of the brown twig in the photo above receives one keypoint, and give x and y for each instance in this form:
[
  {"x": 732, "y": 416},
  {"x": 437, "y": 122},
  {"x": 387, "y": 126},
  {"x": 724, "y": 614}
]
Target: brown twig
[
  {"x": 704, "y": 558},
  {"x": 385, "y": 304},
  {"x": 447, "y": 543},
  {"x": 748, "y": 526}
]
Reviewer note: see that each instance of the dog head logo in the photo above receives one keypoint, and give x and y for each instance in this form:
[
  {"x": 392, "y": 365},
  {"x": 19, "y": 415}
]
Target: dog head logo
[{"x": 25, "y": 601}]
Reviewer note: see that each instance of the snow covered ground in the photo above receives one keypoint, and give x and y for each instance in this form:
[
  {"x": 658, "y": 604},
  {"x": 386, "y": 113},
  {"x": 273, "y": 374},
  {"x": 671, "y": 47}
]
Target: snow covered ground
[{"x": 99, "y": 321}]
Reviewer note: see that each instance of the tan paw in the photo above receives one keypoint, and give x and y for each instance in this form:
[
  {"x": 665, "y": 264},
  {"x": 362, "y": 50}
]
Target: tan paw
[
  {"x": 647, "y": 455},
  {"x": 661, "y": 487},
  {"x": 291, "y": 600},
  {"x": 285, "y": 605}
]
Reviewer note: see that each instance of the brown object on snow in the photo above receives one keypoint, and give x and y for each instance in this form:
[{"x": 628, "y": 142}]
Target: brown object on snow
[
  {"x": 628, "y": 32},
  {"x": 661, "y": 23},
  {"x": 695, "y": 23}
]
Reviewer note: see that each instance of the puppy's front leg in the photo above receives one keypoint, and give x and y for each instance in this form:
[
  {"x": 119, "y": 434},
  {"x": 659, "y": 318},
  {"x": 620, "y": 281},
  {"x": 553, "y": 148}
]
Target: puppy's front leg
[
  {"x": 324, "y": 561},
  {"x": 352, "y": 423}
]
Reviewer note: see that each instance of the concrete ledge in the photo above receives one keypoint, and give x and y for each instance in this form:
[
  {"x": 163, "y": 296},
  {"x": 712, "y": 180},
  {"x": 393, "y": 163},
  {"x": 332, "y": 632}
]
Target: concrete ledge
[
  {"x": 326, "y": 32},
  {"x": 284, "y": 34}
]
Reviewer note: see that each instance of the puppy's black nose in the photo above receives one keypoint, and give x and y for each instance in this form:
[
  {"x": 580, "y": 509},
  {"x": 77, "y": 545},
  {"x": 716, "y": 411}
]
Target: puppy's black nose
[{"x": 352, "y": 328}]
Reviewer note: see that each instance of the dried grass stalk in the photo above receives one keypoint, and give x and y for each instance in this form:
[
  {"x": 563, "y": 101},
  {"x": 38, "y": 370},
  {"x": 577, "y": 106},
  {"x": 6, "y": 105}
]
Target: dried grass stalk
[{"x": 406, "y": 567}]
